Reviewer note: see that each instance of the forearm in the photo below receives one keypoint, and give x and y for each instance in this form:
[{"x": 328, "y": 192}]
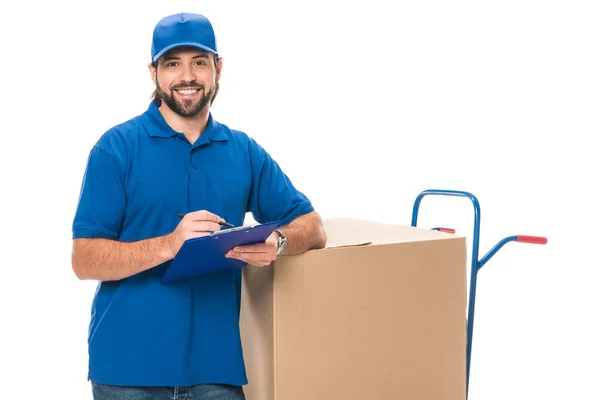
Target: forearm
[
  {"x": 304, "y": 233},
  {"x": 107, "y": 260}
]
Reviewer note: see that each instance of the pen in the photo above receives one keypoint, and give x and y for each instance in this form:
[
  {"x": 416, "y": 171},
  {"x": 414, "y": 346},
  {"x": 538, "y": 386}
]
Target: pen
[{"x": 227, "y": 224}]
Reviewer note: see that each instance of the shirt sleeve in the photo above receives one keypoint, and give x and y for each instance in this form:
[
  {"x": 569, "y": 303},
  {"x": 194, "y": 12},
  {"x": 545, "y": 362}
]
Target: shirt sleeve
[
  {"x": 102, "y": 200},
  {"x": 272, "y": 195}
]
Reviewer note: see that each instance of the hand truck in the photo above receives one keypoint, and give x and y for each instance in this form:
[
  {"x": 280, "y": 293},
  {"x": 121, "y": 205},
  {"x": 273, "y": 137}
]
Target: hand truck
[{"x": 476, "y": 264}]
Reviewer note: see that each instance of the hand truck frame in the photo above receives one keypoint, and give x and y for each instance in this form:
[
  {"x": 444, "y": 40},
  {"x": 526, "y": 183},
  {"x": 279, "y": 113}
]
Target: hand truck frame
[{"x": 476, "y": 263}]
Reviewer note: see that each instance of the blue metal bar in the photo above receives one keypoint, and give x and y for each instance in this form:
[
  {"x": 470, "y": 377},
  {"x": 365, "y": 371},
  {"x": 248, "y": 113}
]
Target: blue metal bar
[
  {"x": 495, "y": 249},
  {"x": 474, "y": 258}
]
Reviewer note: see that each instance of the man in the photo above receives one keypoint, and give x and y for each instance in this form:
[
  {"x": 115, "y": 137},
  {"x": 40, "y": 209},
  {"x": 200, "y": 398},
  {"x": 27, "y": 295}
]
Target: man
[{"x": 149, "y": 340}]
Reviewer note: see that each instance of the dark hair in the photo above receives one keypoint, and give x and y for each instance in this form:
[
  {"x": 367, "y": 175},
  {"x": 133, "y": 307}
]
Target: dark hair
[{"x": 154, "y": 64}]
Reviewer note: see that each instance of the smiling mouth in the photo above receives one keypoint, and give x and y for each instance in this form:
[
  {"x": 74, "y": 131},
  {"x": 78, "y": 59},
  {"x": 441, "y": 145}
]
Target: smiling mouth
[{"x": 187, "y": 92}]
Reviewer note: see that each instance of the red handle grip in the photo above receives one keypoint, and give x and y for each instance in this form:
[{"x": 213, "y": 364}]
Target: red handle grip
[
  {"x": 447, "y": 230},
  {"x": 532, "y": 239}
]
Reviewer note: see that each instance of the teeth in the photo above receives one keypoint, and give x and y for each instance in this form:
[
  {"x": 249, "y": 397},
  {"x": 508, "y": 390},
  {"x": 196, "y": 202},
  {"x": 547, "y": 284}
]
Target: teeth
[{"x": 187, "y": 91}]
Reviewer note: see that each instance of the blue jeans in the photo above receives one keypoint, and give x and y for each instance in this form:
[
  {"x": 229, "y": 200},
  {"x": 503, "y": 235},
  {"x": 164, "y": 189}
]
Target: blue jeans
[{"x": 198, "y": 392}]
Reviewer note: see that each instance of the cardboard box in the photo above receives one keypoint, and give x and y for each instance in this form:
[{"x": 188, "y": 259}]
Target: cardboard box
[{"x": 380, "y": 313}]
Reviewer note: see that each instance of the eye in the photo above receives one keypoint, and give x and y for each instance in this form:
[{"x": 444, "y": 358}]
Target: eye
[
  {"x": 171, "y": 64},
  {"x": 200, "y": 63}
]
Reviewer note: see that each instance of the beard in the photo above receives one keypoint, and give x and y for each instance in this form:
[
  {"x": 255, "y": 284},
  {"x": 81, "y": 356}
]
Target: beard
[{"x": 187, "y": 108}]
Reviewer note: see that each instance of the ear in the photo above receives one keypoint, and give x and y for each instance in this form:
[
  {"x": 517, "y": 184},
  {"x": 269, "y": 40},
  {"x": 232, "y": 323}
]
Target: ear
[
  {"x": 219, "y": 68},
  {"x": 152, "y": 71}
]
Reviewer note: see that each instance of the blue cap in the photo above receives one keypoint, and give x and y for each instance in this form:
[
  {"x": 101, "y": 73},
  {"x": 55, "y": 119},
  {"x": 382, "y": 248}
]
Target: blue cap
[{"x": 183, "y": 29}]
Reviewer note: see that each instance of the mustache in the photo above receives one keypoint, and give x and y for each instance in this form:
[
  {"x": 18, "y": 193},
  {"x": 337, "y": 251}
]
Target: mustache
[{"x": 187, "y": 86}]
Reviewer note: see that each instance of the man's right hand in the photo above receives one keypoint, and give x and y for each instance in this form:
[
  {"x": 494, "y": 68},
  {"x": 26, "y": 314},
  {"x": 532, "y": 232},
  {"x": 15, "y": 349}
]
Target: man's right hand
[{"x": 192, "y": 225}]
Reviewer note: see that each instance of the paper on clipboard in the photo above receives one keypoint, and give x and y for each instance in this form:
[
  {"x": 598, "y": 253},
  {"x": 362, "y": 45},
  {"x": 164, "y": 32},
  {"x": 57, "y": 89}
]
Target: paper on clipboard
[{"x": 206, "y": 254}]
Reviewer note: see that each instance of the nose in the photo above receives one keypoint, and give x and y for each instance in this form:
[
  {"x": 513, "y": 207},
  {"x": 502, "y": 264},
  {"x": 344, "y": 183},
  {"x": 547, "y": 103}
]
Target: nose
[{"x": 187, "y": 74}]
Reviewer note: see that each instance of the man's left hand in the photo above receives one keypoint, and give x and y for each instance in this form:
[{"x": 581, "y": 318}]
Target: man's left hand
[{"x": 258, "y": 254}]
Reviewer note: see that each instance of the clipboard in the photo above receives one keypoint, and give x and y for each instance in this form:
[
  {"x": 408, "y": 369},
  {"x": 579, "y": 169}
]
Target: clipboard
[{"x": 206, "y": 254}]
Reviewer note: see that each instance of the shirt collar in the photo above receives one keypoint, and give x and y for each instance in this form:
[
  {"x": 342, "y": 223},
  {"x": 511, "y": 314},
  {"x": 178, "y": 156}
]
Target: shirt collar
[{"x": 156, "y": 126}]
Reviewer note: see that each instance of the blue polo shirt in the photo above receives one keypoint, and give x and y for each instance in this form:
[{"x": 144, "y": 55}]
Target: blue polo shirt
[{"x": 139, "y": 176}]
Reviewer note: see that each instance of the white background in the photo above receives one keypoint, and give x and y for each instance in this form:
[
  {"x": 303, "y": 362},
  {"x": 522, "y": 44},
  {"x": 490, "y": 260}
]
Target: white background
[{"x": 364, "y": 106}]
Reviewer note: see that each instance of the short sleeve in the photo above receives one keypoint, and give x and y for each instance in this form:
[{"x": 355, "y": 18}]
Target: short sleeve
[
  {"x": 102, "y": 200},
  {"x": 272, "y": 195}
]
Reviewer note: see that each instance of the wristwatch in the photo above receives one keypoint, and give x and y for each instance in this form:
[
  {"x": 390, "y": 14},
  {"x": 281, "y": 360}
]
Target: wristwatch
[{"x": 281, "y": 243}]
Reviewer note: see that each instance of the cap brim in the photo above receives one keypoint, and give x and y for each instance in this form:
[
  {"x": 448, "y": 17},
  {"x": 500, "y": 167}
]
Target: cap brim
[{"x": 183, "y": 44}]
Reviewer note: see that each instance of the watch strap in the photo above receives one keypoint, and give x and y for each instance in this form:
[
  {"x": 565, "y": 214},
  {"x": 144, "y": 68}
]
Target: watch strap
[{"x": 280, "y": 242}]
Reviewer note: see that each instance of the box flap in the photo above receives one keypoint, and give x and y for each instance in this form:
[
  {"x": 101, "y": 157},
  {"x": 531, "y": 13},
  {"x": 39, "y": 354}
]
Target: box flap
[{"x": 344, "y": 232}]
